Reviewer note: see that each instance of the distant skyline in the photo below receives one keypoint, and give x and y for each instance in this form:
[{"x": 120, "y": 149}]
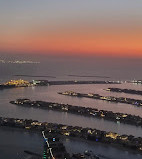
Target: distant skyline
[{"x": 76, "y": 27}]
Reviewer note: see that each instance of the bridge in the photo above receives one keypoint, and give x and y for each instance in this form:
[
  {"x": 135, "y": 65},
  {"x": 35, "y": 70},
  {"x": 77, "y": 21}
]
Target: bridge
[{"x": 47, "y": 153}]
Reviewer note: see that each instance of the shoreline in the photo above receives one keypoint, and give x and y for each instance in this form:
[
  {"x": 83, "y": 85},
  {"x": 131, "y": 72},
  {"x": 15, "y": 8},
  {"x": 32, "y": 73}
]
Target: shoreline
[
  {"x": 127, "y": 91},
  {"x": 87, "y": 134},
  {"x": 70, "y": 138},
  {"x": 134, "y": 102},
  {"x": 22, "y": 83},
  {"x": 103, "y": 144},
  {"x": 83, "y": 111}
]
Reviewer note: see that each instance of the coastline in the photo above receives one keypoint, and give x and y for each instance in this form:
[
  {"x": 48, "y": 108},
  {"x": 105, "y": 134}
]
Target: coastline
[
  {"x": 95, "y": 135},
  {"x": 74, "y": 139},
  {"x": 83, "y": 111}
]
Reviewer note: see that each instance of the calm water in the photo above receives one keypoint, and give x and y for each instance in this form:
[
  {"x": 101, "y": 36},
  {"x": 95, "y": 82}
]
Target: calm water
[
  {"x": 61, "y": 69},
  {"x": 50, "y": 94},
  {"x": 13, "y": 143},
  {"x": 107, "y": 151}
]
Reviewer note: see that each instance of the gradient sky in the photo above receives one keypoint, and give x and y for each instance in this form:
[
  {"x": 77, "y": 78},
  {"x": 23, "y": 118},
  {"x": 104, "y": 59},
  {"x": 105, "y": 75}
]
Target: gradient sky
[{"x": 84, "y": 27}]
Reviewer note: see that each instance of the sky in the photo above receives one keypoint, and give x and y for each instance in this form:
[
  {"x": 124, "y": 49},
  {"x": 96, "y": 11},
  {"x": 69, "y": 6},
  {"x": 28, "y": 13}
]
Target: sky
[{"x": 72, "y": 27}]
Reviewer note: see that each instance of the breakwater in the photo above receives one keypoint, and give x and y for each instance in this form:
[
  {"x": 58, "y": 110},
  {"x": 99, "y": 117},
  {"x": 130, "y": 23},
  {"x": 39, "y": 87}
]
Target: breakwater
[
  {"x": 89, "y": 76},
  {"x": 81, "y": 82},
  {"x": 22, "y": 83}
]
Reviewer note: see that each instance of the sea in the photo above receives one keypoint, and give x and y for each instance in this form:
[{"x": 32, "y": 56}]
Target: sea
[{"x": 13, "y": 142}]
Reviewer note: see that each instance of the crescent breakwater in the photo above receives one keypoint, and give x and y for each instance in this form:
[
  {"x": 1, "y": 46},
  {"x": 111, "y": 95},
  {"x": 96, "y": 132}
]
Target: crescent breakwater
[
  {"x": 79, "y": 110},
  {"x": 124, "y": 100},
  {"x": 23, "y": 83},
  {"x": 126, "y": 141},
  {"x": 89, "y": 76},
  {"x": 81, "y": 82}
]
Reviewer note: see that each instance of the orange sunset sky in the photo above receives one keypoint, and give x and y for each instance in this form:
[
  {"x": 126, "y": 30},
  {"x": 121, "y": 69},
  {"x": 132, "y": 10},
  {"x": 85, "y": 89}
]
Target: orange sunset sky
[{"x": 106, "y": 28}]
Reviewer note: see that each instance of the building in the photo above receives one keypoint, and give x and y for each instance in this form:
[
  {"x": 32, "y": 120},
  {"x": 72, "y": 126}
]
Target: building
[
  {"x": 17, "y": 83},
  {"x": 53, "y": 147}
]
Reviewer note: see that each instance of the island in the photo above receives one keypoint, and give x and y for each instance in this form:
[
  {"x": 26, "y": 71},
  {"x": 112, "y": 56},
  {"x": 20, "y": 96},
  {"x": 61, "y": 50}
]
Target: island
[
  {"x": 125, "y": 141},
  {"x": 128, "y": 91},
  {"x": 25, "y": 83},
  {"x": 135, "y": 102},
  {"x": 79, "y": 110}
]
